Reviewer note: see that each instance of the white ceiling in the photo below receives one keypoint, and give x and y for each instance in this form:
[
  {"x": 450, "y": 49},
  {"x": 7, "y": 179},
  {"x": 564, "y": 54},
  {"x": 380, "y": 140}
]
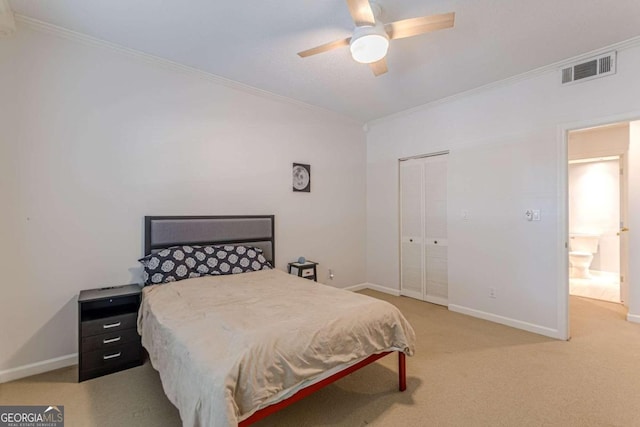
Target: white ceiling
[{"x": 255, "y": 42}]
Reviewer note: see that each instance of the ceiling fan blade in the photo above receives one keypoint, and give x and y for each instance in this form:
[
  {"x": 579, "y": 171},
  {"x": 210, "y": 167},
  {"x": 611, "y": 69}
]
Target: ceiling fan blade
[
  {"x": 361, "y": 12},
  {"x": 325, "y": 47},
  {"x": 379, "y": 67},
  {"x": 415, "y": 26}
]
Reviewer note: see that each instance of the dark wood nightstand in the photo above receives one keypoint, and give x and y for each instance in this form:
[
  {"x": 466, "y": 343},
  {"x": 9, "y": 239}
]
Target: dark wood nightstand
[
  {"x": 108, "y": 339},
  {"x": 306, "y": 269}
]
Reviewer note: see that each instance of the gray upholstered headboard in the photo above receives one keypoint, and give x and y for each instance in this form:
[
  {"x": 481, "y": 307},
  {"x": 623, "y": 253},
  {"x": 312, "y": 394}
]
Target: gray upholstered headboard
[{"x": 254, "y": 230}]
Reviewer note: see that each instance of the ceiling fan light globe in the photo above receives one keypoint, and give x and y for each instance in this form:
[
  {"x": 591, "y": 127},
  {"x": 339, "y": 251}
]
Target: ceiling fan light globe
[
  {"x": 369, "y": 43},
  {"x": 369, "y": 48}
]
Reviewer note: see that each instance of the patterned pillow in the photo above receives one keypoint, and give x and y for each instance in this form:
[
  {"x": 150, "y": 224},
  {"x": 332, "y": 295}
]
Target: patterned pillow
[
  {"x": 184, "y": 262},
  {"x": 238, "y": 259}
]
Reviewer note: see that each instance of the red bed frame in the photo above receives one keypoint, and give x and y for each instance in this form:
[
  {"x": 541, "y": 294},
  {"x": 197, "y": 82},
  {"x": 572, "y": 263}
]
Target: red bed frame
[{"x": 264, "y": 412}]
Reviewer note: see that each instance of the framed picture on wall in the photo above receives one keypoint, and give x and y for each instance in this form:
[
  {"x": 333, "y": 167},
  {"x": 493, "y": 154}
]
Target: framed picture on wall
[{"x": 301, "y": 177}]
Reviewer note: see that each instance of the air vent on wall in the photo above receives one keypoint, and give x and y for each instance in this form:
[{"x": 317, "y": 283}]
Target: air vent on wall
[{"x": 600, "y": 66}]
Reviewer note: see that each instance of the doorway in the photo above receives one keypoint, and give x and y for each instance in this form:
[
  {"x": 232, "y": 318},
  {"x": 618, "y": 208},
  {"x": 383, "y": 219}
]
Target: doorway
[{"x": 597, "y": 212}]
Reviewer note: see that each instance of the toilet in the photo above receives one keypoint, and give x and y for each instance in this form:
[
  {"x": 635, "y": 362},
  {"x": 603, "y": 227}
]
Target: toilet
[{"x": 581, "y": 250}]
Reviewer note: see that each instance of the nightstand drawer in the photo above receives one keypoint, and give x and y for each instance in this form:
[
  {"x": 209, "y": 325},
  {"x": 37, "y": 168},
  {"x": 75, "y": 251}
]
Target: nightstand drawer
[
  {"x": 306, "y": 270},
  {"x": 109, "y": 324},
  {"x": 111, "y": 357},
  {"x": 109, "y": 340}
]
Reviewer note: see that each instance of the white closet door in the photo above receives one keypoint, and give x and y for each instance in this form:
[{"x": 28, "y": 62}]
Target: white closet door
[
  {"x": 412, "y": 249},
  {"x": 423, "y": 208},
  {"x": 435, "y": 234}
]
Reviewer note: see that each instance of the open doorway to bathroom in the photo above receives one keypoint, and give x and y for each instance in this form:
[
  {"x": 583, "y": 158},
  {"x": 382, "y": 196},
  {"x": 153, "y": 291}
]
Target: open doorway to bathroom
[{"x": 597, "y": 202}]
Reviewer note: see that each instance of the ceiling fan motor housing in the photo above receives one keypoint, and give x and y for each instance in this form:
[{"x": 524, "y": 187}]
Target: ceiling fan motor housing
[{"x": 376, "y": 9}]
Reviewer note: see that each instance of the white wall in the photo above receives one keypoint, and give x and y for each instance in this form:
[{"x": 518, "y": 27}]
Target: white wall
[
  {"x": 93, "y": 140},
  {"x": 504, "y": 158},
  {"x": 598, "y": 142}
]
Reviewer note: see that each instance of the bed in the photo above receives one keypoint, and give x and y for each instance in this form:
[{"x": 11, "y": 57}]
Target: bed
[{"x": 233, "y": 348}]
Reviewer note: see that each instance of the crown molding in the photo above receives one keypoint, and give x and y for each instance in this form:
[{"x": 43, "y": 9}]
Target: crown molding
[
  {"x": 175, "y": 66},
  {"x": 620, "y": 46}
]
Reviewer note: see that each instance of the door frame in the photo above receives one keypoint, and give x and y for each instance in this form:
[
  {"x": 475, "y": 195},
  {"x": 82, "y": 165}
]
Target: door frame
[
  {"x": 563, "y": 130},
  {"x": 623, "y": 241}
]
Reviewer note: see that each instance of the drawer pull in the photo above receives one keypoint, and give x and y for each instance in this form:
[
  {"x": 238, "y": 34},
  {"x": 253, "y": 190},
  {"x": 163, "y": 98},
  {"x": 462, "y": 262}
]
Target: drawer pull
[
  {"x": 110, "y": 340},
  {"x": 112, "y": 356},
  {"x": 111, "y": 325}
]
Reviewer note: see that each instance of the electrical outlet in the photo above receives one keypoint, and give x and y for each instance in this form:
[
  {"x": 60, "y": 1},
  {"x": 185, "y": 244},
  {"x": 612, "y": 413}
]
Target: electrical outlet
[
  {"x": 331, "y": 275},
  {"x": 492, "y": 293}
]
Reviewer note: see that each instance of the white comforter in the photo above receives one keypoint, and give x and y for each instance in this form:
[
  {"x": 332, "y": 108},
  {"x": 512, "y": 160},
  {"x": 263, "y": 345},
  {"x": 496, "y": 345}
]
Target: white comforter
[{"x": 226, "y": 346}]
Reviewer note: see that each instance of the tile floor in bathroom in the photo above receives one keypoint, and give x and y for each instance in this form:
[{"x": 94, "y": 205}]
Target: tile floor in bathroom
[{"x": 602, "y": 285}]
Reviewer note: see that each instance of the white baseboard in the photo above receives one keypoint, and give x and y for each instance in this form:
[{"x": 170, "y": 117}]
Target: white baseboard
[
  {"x": 518, "y": 324},
  {"x": 374, "y": 287},
  {"x": 356, "y": 288},
  {"x": 38, "y": 367},
  {"x": 635, "y": 318}
]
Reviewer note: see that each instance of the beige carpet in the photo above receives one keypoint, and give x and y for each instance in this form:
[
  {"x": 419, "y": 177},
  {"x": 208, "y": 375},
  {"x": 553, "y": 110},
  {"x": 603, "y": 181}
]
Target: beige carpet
[{"x": 466, "y": 372}]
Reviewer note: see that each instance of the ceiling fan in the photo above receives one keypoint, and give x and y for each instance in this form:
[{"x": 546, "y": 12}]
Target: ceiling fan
[{"x": 370, "y": 40}]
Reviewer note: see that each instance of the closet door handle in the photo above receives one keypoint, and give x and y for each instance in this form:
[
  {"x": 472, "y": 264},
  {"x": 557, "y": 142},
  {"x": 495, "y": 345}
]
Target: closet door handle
[
  {"x": 435, "y": 242},
  {"x": 411, "y": 240}
]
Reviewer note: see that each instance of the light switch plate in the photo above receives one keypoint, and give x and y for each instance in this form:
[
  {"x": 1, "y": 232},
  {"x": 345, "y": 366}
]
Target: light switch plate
[{"x": 536, "y": 214}]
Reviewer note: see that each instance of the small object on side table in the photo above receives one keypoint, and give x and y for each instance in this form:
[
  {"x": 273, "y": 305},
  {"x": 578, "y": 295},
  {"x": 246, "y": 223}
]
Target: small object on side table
[
  {"x": 108, "y": 340},
  {"x": 306, "y": 269}
]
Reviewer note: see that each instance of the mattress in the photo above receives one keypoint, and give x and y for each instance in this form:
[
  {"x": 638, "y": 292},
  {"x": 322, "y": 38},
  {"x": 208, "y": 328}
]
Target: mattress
[{"x": 226, "y": 346}]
